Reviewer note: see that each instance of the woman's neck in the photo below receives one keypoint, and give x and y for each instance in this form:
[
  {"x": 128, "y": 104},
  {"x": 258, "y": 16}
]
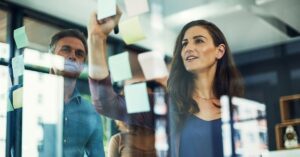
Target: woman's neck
[
  {"x": 205, "y": 97},
  {"x": 204, "y": 83}
]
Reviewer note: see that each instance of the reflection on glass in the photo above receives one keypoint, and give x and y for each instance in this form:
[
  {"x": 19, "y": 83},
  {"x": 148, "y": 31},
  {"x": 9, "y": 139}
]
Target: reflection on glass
[
  {"x": 249, "y": 127},
  {"x": 4, "y": 84},
  {"x": 39, "y": 33},
  {"x": 43, "y": 60},
  {"x": 4, "y": 54},
  {"x": 42, "y": 115},
  {"x": 3, "y": 26}
]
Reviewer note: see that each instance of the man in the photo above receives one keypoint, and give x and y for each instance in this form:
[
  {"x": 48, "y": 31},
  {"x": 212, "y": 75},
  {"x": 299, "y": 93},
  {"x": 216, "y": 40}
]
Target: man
[{"x": 82, "y": 130}]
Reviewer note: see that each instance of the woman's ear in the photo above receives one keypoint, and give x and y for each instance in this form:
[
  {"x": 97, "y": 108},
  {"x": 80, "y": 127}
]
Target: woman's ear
[{"x": 220, "y": 51}]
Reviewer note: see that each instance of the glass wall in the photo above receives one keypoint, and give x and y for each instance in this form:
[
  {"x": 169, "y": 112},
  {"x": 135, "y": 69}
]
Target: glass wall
[
  {"x": 5, "y": 81},
  {"x": 58, "y": 114}
]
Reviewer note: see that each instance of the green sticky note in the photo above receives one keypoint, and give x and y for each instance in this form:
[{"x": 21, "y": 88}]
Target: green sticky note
[
  {"x": 21, "y": 37},
  {"x": 9, "y": 106},
  {"x": 131, "y": 30},
  {"x": 18, "y": 65},
  {"x": 18, "y": 98},
  {"x": 136, "y": 98},
  {"x": 119, "y": 67}
]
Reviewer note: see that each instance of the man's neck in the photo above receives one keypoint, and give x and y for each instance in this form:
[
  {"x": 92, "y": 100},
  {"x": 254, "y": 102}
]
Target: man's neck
[{"x": 69, "y": 86}]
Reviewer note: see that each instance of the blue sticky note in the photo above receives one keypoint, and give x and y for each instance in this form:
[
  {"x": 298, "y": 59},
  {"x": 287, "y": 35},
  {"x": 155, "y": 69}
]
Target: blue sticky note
[
  {"x": 136, "y": 98},
  {"x": 119, "y": 67},
  {"x": 18, "y": 66},
  {"x": 106, "y": 8},
  {"x": 20, "y": 37}
]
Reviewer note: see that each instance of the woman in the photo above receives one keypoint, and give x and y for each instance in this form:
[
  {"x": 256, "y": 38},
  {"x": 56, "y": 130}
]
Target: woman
[
  {"x": 202, "y": 70},
  {"x": 132, "y": 141}
]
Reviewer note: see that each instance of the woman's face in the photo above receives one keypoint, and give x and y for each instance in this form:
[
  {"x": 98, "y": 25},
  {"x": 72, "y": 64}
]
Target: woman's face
[{"x": 198, "y": 50}]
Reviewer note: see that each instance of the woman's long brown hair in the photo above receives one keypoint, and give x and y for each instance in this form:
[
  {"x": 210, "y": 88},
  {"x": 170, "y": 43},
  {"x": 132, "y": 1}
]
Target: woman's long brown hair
[{"x": 181, "y": 84}]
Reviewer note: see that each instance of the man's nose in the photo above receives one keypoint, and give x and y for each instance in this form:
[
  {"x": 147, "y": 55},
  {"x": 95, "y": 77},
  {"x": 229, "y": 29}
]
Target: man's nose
[{"x": 72, "y": 56}]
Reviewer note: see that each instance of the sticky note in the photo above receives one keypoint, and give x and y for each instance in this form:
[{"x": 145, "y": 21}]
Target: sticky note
[
  {"x": 18, "y": 98},
  {"x": 119, "y": 67},
  {"x": 153, "y": 65},
  {"x": 136, "y": 98},
  {"x": 106, "y": 8},
  {"x": 18, "y": 66},
  {"x": 131, "y": 30},
  {"x": 136, "y": 7},
  {"x": 9, "y": 106},
  {"x": 20, "y": 37}
]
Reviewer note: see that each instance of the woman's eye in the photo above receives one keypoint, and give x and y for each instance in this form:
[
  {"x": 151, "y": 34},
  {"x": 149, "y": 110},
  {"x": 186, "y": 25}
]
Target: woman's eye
[
  {"x": 197, "y": 41},
  {"x": 184, "y": 44}
]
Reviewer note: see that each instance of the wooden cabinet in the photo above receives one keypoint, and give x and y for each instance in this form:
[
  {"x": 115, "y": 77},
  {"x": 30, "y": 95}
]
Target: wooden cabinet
[{"x": 286, "y": 103}]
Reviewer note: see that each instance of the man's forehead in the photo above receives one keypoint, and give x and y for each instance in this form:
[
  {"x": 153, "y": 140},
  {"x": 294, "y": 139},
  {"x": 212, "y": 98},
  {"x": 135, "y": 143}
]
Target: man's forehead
[{"x": 71, "y": 42}]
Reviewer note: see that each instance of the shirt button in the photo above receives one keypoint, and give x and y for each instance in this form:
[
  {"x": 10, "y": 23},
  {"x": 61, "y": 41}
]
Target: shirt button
[
  {"x": 66, "y": 118},
  {"x": 65, "y": 141}
]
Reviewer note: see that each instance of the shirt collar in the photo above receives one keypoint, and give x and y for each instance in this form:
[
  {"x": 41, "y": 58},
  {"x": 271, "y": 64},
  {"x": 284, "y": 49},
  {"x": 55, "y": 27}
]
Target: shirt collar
[{"x": 76, "y": 96}]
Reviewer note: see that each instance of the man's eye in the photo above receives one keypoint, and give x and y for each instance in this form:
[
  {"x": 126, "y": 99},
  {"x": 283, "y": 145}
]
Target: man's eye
[
  {"x": 66, "y": 49},
  {"x": 80, "y": 53}
]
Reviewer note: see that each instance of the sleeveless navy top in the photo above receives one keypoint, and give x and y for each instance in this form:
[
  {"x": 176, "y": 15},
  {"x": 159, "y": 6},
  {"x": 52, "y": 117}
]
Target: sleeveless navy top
[{"x": 200, "y": 138}]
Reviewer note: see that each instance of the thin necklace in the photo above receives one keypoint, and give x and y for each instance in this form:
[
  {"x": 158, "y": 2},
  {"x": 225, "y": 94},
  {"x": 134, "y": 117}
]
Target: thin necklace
[
  {"x": 207, "y": 99},
  {"x": 214, "y": 101}
]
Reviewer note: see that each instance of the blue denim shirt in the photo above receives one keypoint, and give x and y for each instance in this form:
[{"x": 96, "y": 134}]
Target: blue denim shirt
[{"x": 82, "y": 131}]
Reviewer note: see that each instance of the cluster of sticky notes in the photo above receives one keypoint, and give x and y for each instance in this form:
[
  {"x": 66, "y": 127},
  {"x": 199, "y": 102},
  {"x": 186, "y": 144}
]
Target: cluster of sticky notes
[
  {"x": 136, "y": 98},
  {"x": 18, "y": 66},
  {"x": 119, "y": 66},
  {"x": 18, "y": 98},
  {"x": 20, "y": 37},
  {"x": 136, "y": 7},
  {"x": 153, "y": 65},
  {"x": 106, "y": 8},
  {"x": 131, "y": 30}
]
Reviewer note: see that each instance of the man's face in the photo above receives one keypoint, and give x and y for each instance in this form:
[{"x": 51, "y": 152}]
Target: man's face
[{"x": 74, "y": 53}]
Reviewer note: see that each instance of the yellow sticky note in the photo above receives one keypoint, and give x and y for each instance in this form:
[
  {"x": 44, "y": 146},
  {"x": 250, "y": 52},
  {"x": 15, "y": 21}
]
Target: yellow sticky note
[
  {"x": 21, "y": 37},
  {"x": 153, "y": 65},
  {"x": 106, "y": 8},
  {"x": 136, "y": 7},
  {"x": 136, "y": 98},
  {"x": 18, "y": 66},
  {"x": 131, "y": 30},
  {"x": 18, "y": 98},
  {"x": 119, "y": 67}
]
